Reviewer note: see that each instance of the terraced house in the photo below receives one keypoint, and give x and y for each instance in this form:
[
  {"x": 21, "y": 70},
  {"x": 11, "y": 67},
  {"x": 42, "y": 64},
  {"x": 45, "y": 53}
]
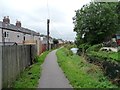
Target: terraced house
[{"x": 15, "y": 34}]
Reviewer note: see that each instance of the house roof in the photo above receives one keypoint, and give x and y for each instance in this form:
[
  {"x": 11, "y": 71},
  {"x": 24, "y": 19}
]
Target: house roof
[
  {"x": 18, "y": 29},
  {"x": 0, "y": 24},
  {"x": 45, "y": 36},
  {"x": 61, "y": 40}
]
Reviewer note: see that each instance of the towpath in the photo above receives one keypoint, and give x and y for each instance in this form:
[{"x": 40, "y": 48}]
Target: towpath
[{"x": 52, "y": 76}]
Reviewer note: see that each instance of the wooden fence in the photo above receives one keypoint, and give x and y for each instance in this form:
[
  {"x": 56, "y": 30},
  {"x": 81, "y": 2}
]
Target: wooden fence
[
  {"x": 0, "y": 68},
  {"x": 14, "y": 60}
]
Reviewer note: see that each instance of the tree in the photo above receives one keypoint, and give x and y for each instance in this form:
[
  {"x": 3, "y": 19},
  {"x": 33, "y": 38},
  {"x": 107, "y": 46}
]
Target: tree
[
  {"x": 96, "y": 21},
  {"x": 55, "y": 41}
]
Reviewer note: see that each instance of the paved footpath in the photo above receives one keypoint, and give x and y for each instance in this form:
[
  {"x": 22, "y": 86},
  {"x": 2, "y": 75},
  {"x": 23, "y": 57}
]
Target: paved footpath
[{"x": 52, "y": 76}]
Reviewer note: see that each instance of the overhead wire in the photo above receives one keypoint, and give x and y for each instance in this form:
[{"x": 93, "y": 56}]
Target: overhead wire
[
  {"x": 59, "y": 33},
  {"x": 51, "y": 22},
  {"x": 48, "y": 15},
  {"x": 48, "y": 12}
]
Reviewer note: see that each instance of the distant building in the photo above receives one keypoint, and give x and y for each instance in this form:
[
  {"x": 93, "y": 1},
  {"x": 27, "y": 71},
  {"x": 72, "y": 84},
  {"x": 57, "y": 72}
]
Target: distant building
[
  {"x": 44, "y": 42},
  {"x": 60, "y": 42},
  {"x": 50, "y": 42}
]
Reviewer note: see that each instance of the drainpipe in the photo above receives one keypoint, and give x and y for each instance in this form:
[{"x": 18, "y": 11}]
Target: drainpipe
[{"x": 3, "y": 38}]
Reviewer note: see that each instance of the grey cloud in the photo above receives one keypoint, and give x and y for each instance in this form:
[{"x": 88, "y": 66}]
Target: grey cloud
[{"x": 35, "y": 19}]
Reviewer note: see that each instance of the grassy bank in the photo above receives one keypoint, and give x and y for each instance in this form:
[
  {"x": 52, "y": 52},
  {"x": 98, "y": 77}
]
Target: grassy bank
[
  {"x": 30, "y": 76},
  {"x": 80, "y": 73}
]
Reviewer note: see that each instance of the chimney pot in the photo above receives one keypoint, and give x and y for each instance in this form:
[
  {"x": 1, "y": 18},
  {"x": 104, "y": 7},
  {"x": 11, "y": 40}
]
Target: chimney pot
[
  {"x": 18, "y": 23},
  {"x": 6, "y": 20}
]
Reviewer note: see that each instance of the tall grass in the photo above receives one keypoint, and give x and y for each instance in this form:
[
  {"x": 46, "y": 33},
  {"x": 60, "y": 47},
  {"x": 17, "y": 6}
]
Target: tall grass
[{"x": 80, "y": 73}]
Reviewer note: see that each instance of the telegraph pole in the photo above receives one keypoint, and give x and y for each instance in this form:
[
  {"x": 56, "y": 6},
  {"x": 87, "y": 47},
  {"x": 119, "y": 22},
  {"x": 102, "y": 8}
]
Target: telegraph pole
[{"x": 48, "y": 21}]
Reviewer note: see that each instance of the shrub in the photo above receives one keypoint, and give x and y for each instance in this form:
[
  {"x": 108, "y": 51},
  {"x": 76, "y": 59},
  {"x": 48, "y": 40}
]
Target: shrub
[
  {"x": 36, "y": 58},
  {"x": 84, "y": 46},
  {"x": 94, "y": 48},
  {"x": 69, "y": 46},
  {"x": 68, "y": 52}
]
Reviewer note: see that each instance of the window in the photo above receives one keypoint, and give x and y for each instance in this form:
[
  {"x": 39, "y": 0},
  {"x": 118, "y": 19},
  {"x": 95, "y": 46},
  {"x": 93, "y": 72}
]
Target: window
[
  {"x": 18, "y": 36},
  {"x": 24, "y": 38},
  {"x": 6, "y": 34}
]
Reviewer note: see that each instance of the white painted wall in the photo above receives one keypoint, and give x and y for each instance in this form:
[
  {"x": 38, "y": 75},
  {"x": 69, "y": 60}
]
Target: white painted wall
[
  {"x": 14, "y": 36},
  {"x": 60, "y": 42},
  {"x": 0, "y": 68},
  {"x": 28, "y": 37},
  {"x": 37, "y": 38},
  {"x": 44, "y": 41},
  {"x": 51, "y": 41},
  {"x": 0, "y": 35},
  {"x": 18, "y": 37}
]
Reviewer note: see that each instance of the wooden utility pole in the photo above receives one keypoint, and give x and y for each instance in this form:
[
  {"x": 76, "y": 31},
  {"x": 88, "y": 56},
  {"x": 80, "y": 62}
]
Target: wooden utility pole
[{"x": 48, "y": 21}]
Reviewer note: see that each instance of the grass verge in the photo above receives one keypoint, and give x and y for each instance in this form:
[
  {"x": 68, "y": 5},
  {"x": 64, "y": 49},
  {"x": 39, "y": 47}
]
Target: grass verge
[
  {"x": 30, "y": 76},
  {"x": 80, "y": 73}
]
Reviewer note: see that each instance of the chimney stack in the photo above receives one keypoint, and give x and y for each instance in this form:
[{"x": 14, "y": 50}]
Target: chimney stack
[
  {"x": 18, "y": 23},
  {"x": 6, "y": 20}
]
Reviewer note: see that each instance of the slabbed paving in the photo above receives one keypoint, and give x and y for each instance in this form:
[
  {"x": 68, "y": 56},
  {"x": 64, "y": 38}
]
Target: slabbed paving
[{"x": 52, "y": 76}]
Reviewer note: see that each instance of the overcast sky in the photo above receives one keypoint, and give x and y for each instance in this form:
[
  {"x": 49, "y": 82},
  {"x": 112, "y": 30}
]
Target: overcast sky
[{"x": 33, "y": 14}]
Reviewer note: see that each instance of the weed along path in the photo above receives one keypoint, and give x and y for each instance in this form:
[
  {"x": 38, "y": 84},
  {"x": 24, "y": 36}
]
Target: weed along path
[{"x": 52, "y": 75}]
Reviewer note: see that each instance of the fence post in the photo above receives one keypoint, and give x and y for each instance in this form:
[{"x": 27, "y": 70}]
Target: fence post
[
  {"x": 31, "y": 55},
  {"x": 0, "y": 67}
]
